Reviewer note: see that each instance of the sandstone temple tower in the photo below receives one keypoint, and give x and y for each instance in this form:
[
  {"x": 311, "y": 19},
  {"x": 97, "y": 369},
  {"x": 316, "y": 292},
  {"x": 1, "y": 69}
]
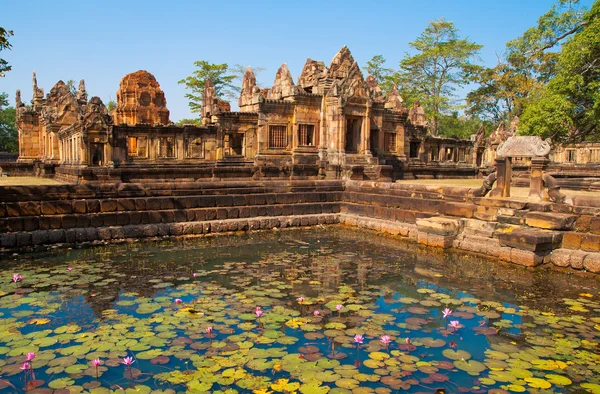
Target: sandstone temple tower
[{"x": 140, "y": 100}]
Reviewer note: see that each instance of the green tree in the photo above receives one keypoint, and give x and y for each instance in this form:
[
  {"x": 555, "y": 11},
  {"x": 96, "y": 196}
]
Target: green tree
[
  {"x": 456, "y": 126},
  {"x": 384, "y": 76},
  {"x": 528, "y": 63},
  {"x": 72, "y": 87},
  {"x": 442, "y": 62},
  {"x": 4, "y": 44},
  {"x": 238, "y": 70},
  {"x": 9, "y": 140},
  {"x": 111, "y": 104},
  {"x": 568, "y": 107},
  {"x": 221, "y": 77},
  {"x": 194, "y": 121}
]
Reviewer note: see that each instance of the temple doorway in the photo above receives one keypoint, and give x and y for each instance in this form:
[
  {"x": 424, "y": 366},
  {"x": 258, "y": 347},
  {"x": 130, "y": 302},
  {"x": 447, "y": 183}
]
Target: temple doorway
[
  {"x": 353, "y": 134},
  {"x": 374, "y": 141},
  {"x": 236, "y": 143},
  {"x": 96, "y": 154}
]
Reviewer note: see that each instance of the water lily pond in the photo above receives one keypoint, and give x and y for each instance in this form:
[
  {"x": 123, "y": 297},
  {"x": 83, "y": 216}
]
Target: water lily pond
[{"x": 299, "y": 311}]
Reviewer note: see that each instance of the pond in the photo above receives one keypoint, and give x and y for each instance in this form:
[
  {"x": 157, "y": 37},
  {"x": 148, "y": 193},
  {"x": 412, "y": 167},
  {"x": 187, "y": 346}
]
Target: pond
[{"x": 327, "y": 310}]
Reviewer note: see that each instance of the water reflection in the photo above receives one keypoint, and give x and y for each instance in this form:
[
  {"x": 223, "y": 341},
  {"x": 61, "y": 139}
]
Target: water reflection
[{"x": 506, "y": 316}]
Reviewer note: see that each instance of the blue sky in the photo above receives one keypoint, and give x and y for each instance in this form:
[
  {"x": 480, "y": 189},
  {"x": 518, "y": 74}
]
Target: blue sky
[{"x": 103, "y": 41}]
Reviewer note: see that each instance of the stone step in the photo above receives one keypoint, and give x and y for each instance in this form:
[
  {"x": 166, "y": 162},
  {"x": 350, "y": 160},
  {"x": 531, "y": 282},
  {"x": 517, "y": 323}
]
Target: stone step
[
  {"x": 550, "y": 220},
  {"x": 510, "y": 220},
  {"x": 530, "y": 239},
  {"x": 440, "y": 226}
]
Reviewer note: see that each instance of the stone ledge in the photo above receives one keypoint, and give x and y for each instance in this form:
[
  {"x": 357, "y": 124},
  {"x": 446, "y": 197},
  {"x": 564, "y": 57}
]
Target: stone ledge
[
  {"x": 577, "y": 259},
  {"x": 438, "y": 225},
  {"x": 77, "y": 235},
  {"x": 530, "y": 239},
  {"x": 550, "y": 220}
]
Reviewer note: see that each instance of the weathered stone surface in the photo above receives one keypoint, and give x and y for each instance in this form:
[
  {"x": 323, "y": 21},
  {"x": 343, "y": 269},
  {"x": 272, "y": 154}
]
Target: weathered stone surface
[
  {"x": 464, "y": 210},
  {"x": 528, "y": 239},
  {"x": 140, "y": 100},
  {"x": 524, "y": 146},
  {"x": 550, "y": 220},
  {"x": 590, "y": 242},
  {"x": 439, "y": 225},
  {"x": 591, "y": 262},
  {"x": 525, "y": 257}
]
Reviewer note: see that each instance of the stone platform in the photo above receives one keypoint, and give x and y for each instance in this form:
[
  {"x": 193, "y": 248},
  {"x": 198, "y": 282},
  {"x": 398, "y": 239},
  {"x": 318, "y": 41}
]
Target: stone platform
[{"x": 445, "y": 217}]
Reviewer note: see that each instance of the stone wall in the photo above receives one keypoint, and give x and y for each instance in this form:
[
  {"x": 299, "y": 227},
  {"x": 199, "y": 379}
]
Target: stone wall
[
  {"x": 32, "y": 216},
  {"x": 511, "y": 230},
  {"x": 519, "y": 232}
]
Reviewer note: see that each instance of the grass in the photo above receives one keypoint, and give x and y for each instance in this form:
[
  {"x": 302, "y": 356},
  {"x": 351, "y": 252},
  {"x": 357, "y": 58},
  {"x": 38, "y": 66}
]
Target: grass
[{"x": 27, "y": 181}]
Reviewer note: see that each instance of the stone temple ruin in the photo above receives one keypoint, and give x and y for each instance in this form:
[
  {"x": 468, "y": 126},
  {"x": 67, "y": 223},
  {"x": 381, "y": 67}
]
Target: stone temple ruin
[{"x": 331, "y": 123}]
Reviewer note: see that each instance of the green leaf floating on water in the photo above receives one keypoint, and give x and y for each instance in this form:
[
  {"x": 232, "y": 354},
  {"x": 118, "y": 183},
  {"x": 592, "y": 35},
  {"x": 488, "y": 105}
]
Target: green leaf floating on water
[
  {"x": 471, "y": 367},
  {"x": 456, "y": 354}
]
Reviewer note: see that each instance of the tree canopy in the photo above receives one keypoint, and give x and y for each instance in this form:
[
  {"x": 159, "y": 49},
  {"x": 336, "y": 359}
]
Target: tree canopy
[
  {"x": 221, "y": 77},
  {"x": 4, "y": 44},
  {"x": 568, "y": 107},
  {"x": 9, "y": 140},
  {"x": 441, "y": 62},
  {"x": 528, "y": 63}
]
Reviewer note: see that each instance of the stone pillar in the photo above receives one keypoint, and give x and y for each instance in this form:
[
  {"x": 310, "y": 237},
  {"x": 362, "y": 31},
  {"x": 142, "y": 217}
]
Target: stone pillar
[
  {"x": 536, "y": 184},
  {"x": 504, "y": 173}
]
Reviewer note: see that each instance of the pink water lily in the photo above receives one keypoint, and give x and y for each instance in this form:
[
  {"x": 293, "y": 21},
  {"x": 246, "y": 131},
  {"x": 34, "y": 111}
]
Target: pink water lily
[
  {"x": 407, "y": 340},
  {"x": 446, "y": 312},
  {"x": 259, "y": 313},
  {"x": 25, "y": 366},
  {"x": 300, "y": 299},
  {"x": 194, "y": 274},
  {"x": 128, "y": 361},
  {"x": 69, "y": 269},
  {"x": 339, "y": 307},
  {"x": 17, "y": 277},
  {"x": 386, "y": 339},
  {"x": 454, "y": 324},
  {"x": 359, "y": 338},
  {"x": 30, "y": 356},
  {"x": 178, "y": 300},
  {"x": 96, "y": 363},
  {"x": 209, "y": 329},
  {"x": 316, "y": 313}
]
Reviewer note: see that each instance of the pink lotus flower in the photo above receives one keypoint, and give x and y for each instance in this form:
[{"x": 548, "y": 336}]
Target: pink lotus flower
[
  {"x": 316, "y": 313},
  {"x": 359, "y": 338},
  {"x": 209, "y": 330},
  {"x": 259, "y": 313},
  {"x": 194, "y": 274},
  {"x": 453, "y": 344},
  {"x": 454, "y": 324},
  {"x": 339, "y": 307},
  {"x": 386, "y": 339},
  {"x": 447, "y": 312},
  {"x": 69, "y": 269},
  {"x": 128, "y": 361},
  {"x": 300, "y": 299},
  {"x": 97, "y": 362},
  {"x": 30, "y": 356},
  {"x": 24, "y": 366},
  {"x": 407, "y": 340},
  {"x": 17, "y": 277},
  {"x": 258, "y": 308},
  {"x": 178, "y": 300}
]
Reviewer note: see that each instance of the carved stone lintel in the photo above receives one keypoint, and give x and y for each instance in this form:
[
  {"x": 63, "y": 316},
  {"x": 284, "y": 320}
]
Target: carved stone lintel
[{"x": 524, "y": 146}]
